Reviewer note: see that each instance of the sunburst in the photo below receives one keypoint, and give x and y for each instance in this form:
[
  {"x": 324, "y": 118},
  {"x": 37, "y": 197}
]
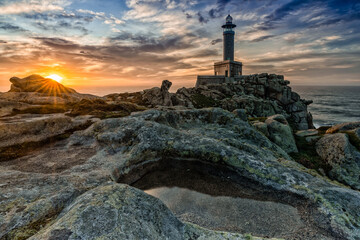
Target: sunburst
[{"x": 55, "y": 77}]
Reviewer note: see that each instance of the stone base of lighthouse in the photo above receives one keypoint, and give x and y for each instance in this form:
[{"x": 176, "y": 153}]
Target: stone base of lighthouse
[{"x": 225, "y": 72}]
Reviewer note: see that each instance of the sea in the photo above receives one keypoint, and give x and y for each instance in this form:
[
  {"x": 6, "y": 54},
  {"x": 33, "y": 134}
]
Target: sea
[{"x": 331, "y": 104}]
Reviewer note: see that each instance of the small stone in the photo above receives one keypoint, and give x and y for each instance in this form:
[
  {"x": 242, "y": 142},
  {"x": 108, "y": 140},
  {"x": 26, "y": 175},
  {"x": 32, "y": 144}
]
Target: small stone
[{"x": 307, "y": 133}]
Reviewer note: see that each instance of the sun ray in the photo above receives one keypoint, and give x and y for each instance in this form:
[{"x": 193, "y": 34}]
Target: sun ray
[{"x": 55, "y": 77}]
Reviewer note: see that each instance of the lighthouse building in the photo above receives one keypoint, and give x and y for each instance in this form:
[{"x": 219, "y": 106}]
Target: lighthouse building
[{"x": 228, "y": 70}]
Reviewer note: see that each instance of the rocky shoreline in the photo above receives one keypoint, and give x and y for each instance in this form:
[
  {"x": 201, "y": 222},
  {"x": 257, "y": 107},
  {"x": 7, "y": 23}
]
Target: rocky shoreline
[{"x": 75, "y": 166}]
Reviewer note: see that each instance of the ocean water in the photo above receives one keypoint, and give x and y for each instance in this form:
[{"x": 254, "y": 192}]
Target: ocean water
[{"x": 332, "y": 104}]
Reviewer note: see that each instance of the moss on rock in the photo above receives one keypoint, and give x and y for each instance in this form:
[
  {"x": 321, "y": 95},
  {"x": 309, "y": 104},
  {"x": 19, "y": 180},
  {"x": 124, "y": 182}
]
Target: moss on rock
[
  {"x": 101, "y": 109},
  {"x": 202, "y": 101}
]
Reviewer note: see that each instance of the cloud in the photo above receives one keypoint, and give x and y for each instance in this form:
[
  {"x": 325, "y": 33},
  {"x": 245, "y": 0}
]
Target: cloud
[
  {"x": 98, "y": 14},
  {"x": 55, "y": 16},
  {"x": 137, "y": 42},
  {"x": 201, "y": 18},
  {"x": 262, "y": 38},
  {"x": 26, "y": 6},
  {"x": 323, "y": 13},
  {"x": 61, "y": 26},
  {"x": 149, "y": 43},
  {"x": 10, "y": 27},
  {"x": 216, "y": 41},
  {"x": 219, "y": 9}
]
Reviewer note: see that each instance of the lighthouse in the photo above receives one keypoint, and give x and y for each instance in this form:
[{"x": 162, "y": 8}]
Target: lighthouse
[
  {"x": 228, "y": 70},
  {"x": 228, "y": 38}
]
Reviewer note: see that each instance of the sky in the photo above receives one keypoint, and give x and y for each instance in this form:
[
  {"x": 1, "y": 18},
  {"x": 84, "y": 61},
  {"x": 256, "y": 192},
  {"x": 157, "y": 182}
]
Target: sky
[{"x": 135, "y": 44}]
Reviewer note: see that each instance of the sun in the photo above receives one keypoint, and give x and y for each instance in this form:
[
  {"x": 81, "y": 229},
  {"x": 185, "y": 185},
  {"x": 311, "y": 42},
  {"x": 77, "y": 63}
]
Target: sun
[{"x": 55, "y": 77}]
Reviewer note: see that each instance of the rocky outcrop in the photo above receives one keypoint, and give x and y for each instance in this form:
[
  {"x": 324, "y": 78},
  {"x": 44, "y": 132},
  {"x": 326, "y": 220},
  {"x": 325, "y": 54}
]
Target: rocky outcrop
[
  {"x": 280, "y": 133},
  {"x": 343, "y": 158},
  {"x": 37, "y": 83},
  {"x": 7, "y": 106},
  {"x": 35, "y": 128},
  {"x": 24, "y": 133},
  {"x": 35, "y": 89},
  {"x": 56, "y": 201},
  {"x": 261, "y": 95},
  {"x": 158, "y": 96},
  {"x": 118, "y": 211}
]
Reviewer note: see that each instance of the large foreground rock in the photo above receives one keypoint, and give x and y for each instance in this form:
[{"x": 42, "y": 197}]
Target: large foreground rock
[
  {"x": 280, "y": 133},
  {"x": 44, "y": 198},
  {"x": 344, "y": 158},
  {"x": 118, "y": 211}
]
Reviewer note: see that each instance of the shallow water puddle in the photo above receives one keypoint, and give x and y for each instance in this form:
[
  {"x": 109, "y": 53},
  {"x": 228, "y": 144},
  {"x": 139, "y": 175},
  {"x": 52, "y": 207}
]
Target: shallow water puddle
[
  {"x": 262, "y": 218},
  {"x": 218, "y": 198}
]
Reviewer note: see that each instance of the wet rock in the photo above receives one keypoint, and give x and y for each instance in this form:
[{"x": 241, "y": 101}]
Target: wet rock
[
  {"x": 344, "y": 158},
  {"x": 281, "y": 133}
]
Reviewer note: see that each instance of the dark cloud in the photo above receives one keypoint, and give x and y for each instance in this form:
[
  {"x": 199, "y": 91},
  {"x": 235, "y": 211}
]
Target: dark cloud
[
  {"x": 201, "y": 18},
  {"x": 335, "y": 11},
  {"x": 216, "y": 41},
  {"x": 58, "y": 16},
  {"x": 148, "y": 43},
  {"x": 219, "y": 9},
  {"x": 58, "y": 43},
  {"x": 283, "y": 12},
  {"x": 113, "y": 52},
  {"x": 188, "y": 15},
  {"x": 10, "y": 27},
  {"x": 61, "y": 26},
  {"x": 165, "y": 44},
  {"x": 262, "y": 38},
  {"x": 137, "y": 38}
]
